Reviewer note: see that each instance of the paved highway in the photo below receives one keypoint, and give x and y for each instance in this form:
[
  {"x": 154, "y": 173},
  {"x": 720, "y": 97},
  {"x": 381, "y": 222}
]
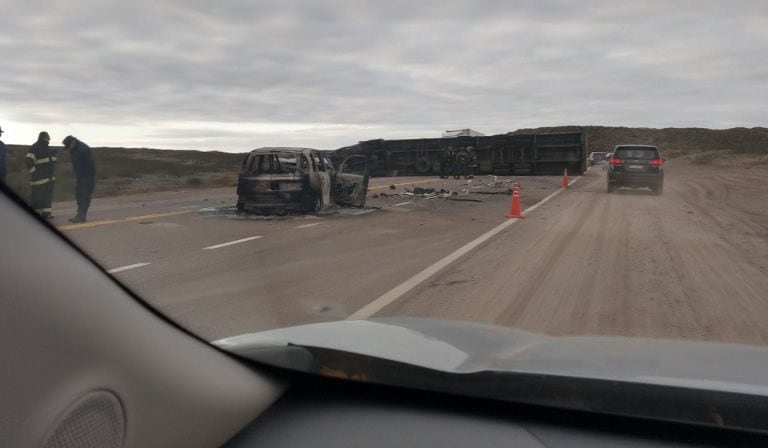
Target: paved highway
[
  {"x": 584, "y": 262},
  {"x": 221, "y": 274}
]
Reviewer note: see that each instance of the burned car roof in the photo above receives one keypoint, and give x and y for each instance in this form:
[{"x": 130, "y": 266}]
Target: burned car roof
[{"x": 287, "y": 149}]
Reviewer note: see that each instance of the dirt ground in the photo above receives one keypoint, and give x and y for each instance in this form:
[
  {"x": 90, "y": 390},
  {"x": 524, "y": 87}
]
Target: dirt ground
[{"x": 690, "y": 264}]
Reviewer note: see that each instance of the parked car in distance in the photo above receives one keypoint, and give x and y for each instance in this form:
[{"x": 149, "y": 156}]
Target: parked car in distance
[
  {"x": 595, "y": 158},
  {"x": 636, "y": 166},
  {"x": 606, "y": 161},
  {"x": 283, "y": 180}
]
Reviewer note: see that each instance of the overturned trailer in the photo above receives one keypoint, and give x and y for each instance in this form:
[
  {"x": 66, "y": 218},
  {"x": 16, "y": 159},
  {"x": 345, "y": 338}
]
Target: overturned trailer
[{"x": 503, "y": 154}]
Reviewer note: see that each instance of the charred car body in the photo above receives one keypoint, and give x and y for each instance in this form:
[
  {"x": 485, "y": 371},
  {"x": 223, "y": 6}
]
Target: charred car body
[{"x": 281, "y": 180}]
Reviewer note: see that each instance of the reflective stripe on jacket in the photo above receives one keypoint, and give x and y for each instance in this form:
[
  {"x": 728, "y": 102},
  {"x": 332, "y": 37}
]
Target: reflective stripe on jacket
[{"x": 40, "y": 161}]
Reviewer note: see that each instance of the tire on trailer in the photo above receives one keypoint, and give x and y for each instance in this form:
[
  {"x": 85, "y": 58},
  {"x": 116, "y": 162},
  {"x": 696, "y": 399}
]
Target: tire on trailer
[{"x": 423, "y": 165}]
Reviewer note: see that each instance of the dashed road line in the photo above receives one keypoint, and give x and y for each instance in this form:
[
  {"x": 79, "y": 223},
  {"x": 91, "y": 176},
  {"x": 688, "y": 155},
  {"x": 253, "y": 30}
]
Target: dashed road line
[
  {"x": 304, "y": 226},
  {"x": 403, "y": 203},
  {"x": 363, "y": 212},
  {"x": 217, "y": 246},
  {"x": 125, "y": 268}
]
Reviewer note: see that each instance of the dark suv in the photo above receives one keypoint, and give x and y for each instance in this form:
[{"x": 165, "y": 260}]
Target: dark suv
[{"x": 636, "y": 166}]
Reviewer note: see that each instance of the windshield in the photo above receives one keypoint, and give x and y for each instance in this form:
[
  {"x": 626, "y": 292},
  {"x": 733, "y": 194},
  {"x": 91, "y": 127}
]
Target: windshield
[
  {"x": 631, "y": 152},
  {"x": 249, "y": 167},
  {"x": 271, "y": 164}
]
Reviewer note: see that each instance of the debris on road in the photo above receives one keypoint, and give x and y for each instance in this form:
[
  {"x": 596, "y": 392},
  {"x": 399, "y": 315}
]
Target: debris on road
[{"x": 492, "y": 185}]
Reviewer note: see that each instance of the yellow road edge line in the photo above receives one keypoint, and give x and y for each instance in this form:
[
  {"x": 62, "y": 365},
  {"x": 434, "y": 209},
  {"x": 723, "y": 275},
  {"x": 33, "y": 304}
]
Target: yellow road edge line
[
  {"x": 129, "y": 219},
  {"x": 88, "y": 224},
  {"x": 158, "y": 215}
]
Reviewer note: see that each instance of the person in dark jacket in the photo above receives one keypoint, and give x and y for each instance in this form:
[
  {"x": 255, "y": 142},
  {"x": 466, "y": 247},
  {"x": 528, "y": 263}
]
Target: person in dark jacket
[
  {"x": 2, "y": 158},
  {"x": 41, "y": 163},
  {"x": 85, "y": 175}
]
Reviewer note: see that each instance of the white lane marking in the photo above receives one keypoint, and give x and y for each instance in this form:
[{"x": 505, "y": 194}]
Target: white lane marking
[
  {"x": 363, "y": 212},
  {"x": 125, "y": 268},
  {"x": 303, "y": 226},
  {"x": 403, "y": 203},
  {"x": 398, "y": 291},
  {"x": 190, "y": 206},
  {"x": 232, "y": 242}
]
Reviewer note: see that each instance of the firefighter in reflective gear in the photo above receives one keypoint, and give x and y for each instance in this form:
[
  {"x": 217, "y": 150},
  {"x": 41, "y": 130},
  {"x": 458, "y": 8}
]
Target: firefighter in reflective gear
[
  {"x": 85, "y": 175},
  {"x": 462, "y": 164},
  {"x": 41, "y": 162},
  {"x": 472, "y": 162}
]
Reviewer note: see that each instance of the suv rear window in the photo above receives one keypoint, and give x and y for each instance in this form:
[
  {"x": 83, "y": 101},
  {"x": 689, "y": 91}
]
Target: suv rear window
[
  {"x": 636, "y": 152},
  {"x": 273, "y": 164}
]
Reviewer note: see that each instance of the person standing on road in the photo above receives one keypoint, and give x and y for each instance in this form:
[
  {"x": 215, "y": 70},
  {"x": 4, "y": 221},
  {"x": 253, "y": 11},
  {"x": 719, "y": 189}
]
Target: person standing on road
[
  {"x": 41, "y": 163},
  {"x": 2, "y": 159},
  {"x": 85, "y": 175}
]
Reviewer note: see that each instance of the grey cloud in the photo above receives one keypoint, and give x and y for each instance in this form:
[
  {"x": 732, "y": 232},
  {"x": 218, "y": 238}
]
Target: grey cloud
[{"x": 415, "y": 66}]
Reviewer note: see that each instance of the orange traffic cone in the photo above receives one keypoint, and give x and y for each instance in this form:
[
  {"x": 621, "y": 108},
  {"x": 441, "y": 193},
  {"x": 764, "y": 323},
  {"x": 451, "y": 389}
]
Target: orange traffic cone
[
  {"x": 565, "y": 178},
  {"x": 515, "y": 211}
]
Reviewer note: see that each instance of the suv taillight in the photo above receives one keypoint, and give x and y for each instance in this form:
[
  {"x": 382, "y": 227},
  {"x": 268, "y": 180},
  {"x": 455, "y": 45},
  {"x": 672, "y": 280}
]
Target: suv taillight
[
  {"x": 616, "y": 161},
  {"x": 656, "y": 162}
]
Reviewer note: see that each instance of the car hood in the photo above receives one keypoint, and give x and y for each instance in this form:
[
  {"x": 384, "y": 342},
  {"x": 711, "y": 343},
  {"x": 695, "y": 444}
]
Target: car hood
[{"x": 723, "y": 385}]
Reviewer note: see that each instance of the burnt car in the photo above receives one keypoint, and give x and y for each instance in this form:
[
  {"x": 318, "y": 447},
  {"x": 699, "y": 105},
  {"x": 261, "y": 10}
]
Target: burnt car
[{"x": 285, "y": 180}]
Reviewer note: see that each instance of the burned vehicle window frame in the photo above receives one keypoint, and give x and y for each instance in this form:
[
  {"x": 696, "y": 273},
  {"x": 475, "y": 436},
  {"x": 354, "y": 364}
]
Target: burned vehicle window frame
[{"x": 312, "y": 186}]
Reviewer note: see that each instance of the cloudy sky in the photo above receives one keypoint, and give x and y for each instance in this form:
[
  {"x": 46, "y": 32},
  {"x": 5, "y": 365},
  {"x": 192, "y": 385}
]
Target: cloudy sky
[{"x": 234, "y": 75}]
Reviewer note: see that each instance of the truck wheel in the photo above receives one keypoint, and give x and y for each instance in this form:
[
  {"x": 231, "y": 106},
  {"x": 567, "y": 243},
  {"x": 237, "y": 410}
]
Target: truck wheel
[
  {"x": 423, "y": 166},
  {"x": 659, "y": 189},
  {"x": 611, "y": 188}
]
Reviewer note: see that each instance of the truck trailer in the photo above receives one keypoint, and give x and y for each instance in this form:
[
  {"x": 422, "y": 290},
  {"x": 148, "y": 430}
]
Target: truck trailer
[{"x": 502, "y": 154}]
